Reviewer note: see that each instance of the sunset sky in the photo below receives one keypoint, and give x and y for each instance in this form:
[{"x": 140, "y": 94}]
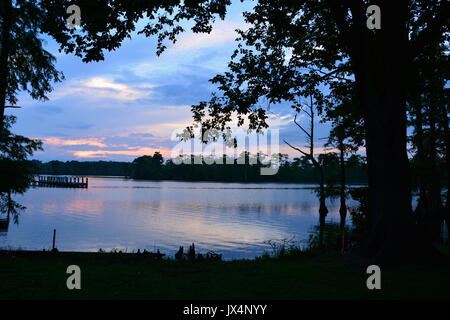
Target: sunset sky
[{"x": 129, "y": 104}]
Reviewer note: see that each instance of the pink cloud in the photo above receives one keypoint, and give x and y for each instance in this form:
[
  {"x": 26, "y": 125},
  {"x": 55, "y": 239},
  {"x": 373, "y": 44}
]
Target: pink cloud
[
  {"x": 96, "y": 142},
  {"x": 137, "y": 152}
]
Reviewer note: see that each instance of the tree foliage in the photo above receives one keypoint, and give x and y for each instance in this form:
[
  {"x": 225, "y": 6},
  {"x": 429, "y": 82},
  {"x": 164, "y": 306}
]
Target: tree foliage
[
  {"x": 16, "y": 171},
  {"x": 25, "y": 64}
]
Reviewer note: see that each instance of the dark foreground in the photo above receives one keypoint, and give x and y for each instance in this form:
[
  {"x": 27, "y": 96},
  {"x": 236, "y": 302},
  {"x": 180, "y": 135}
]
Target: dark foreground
[{"x": 42, "y": 275}]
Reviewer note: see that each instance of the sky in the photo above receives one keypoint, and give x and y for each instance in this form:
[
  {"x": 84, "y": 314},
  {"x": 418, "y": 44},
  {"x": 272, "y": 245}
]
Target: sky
[{"x": 130, "y": 104}]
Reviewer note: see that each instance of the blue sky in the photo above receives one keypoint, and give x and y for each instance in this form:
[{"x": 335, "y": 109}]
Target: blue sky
[{"x": 129, "y": 104}]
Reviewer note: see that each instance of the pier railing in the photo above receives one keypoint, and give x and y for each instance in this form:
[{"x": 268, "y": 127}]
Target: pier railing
[{"x": 58, "y": 181}]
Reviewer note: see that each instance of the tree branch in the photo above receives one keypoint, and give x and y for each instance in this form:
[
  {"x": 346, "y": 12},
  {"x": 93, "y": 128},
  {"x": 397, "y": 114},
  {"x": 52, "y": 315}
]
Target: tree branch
[
  {"x": 340, "y": 15},
  {"x": 301, "y": 109},
  {"x": 326, "y": 75},
  {"x": 298, "y": 149},
  {"x": 306, "y": 132}
]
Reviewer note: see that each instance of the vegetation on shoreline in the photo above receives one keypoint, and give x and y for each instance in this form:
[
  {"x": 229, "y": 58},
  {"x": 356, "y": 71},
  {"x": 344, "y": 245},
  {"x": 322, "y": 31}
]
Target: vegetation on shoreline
[
  {"x": 317, "y": 270},
  {"x": 101, "y": 168},
  {"x": 154, "y": 167},
  {"x": 31, "y": 275},
  {"x": 285, "y": 272}
]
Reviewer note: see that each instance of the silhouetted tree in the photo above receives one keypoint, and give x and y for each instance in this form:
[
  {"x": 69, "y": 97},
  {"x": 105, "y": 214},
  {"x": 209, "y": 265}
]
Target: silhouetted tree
[
  {"x": 428, "y": 111},
  {"x": 147, "y": 167},
  {"x": 310, "y": 155},
  {"x": 293, "y": 46},
  {"x": 16, "y": 172},
  {"x": 102, "y": 168},
  {"x": 347, "y": 133},
  {"x": 24, "y": 64}
]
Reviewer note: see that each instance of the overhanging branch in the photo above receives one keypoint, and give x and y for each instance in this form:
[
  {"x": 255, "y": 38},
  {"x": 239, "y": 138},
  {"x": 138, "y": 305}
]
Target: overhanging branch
[{"x": 298, "y": 149}]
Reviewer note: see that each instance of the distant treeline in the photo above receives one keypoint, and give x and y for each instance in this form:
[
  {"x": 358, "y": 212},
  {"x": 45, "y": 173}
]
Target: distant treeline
[
  {"x": 101, "y": 168},
  {"x": 155, "y": 168}
]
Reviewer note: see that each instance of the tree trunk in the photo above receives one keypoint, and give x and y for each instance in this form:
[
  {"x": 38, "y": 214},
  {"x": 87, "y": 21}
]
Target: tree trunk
[
  {"x": 422, "y": 203},
  {"x": 380, "y": 62},
  {"x": 433, "y": 220},
  {"x": 9, "y": 206},
  {"x": 343, "y": 207},
  {"x": 447, "y": 160},
  {"x": 4, "y": 53},
  {"x": 322, "y": 207},
  {"x": 245, "y": 171}
]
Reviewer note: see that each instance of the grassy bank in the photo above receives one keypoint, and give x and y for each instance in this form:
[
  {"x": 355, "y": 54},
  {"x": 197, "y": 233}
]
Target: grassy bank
[{"x": 42, "y": 275}]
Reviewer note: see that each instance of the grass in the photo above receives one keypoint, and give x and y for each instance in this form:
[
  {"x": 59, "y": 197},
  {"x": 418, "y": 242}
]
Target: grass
[{"x": 42, "y": 275}]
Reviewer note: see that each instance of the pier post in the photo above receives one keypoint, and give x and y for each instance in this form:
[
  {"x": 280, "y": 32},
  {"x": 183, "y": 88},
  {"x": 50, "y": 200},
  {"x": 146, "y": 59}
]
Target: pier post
[{"x": 54, "y": 236}]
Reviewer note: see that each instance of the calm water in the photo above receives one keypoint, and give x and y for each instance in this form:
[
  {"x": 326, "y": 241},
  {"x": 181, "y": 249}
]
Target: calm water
[{"x": 234, "y": 219}]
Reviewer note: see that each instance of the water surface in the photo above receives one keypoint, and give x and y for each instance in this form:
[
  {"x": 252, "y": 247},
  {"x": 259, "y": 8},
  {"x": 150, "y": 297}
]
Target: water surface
[{"x": 234, "y": 219}]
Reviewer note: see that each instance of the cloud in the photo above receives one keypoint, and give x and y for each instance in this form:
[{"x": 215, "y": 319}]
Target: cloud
[
  {"x": 76, "y": 125},
  {"x": 134, "y": 144},
  {"x": 222, "y": 32},
  {"x": 165, "y": 129},
  {"x": 49, "y": 110},
  {"x": 131, "y": 140},
  {"x": 103, "y": 87},
  {"x": 96, "y": 142},
  {"x": 142, "y": 135},
  {"x": 137, "y": 152}
]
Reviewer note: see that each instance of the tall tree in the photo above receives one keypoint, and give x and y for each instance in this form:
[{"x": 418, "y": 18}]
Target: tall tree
[
  {"x": 323, "y": 210},
  {"x": 428, "y": 111},
  {"x": 347, "y": 134},
  {"x": 339, "y": 139},
  {"x": 331, "y": 38},
  {"x": 24, "y": 64}
]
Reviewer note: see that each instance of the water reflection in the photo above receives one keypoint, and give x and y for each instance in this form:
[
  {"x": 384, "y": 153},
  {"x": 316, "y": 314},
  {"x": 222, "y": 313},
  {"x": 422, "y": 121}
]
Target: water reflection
[
  {"x": 233, "y": 219},
  {"x": 4, "y": 224}
]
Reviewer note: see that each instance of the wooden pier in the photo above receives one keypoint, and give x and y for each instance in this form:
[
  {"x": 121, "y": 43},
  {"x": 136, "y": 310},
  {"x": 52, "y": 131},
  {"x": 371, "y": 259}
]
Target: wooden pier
[{"x": 66, "y": 182}]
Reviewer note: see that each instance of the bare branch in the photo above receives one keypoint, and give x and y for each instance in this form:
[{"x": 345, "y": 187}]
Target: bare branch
[
  {"x": 301, "y": 109},
  {"x": 298, "y": 149},
  {"x": 306, "y": 132}
]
